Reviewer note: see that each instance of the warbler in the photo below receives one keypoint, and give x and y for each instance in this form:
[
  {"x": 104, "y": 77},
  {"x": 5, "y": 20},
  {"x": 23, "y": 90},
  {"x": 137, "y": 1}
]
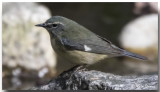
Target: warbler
[{"x": 73, "y": 42}]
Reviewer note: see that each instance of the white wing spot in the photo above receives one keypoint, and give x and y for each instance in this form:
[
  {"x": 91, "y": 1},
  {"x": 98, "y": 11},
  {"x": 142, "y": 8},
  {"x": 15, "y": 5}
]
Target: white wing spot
[{"x": 87, "y": 48}]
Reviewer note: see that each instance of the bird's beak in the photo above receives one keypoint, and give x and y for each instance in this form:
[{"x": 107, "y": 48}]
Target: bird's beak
[{"x": 41, "y": 25}]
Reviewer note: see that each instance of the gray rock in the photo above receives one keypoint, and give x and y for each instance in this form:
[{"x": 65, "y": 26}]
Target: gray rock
[
  {"x": 24, "y": 44},
  {"x": 95, "y": 80}
]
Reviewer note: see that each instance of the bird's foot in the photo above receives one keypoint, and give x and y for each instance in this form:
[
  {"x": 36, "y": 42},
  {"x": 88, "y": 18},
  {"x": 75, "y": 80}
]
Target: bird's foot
[{"x": 80, "y": 68}]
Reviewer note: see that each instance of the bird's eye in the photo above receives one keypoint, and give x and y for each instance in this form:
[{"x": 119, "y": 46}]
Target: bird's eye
[{"x": 54, "y": 25}]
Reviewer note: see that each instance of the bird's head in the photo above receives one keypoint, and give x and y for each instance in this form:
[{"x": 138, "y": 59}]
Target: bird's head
[
  {"x": 60, "y": 27},
  {"x": 56, "y": 25}
]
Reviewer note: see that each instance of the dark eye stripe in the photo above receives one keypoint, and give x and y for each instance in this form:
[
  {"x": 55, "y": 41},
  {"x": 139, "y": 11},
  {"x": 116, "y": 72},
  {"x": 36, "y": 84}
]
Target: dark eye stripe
[{"x": 50, "y": 25}]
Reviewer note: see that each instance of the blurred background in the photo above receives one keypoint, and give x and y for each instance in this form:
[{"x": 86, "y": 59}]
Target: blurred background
[{"x": 28, "y": 59}]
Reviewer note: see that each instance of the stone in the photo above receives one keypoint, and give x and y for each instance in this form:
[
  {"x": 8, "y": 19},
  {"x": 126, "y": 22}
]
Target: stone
[
  {"x": 141, "y": 36},
  {"x": 82, "y": 79},
  {"x": 23, "y": 44}
]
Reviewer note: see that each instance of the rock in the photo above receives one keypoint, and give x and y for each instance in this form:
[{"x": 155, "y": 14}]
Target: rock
[
  {"x": 24, "y": 44},
  {"x": 26, "y": 50},
  {"x": 141, "y": 36},
  {"x": 96, "y": 80}
]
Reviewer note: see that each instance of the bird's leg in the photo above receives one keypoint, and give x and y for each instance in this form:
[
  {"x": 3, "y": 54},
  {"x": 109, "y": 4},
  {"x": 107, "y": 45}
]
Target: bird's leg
[{"x": 78, "y": 68}]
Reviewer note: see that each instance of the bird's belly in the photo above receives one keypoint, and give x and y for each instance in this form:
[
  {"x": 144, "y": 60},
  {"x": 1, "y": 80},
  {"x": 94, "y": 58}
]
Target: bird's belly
[{"x": 81, "y": 57}]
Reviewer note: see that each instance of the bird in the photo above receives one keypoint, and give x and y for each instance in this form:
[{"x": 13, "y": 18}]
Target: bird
[{"x": 77, "y": 44}]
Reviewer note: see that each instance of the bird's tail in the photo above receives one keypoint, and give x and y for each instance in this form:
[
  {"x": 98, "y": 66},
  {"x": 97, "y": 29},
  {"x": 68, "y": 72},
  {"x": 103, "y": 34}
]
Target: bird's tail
[{"x": 133, "y": 55}]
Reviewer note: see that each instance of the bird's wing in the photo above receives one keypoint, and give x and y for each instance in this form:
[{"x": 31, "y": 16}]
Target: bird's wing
[{"x": 102, "y": 46}]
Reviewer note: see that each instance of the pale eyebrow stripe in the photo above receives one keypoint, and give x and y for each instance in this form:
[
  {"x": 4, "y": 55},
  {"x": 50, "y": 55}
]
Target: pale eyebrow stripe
[
  {"x": 55, "y": 23},
  {"x": 58, "y": 23}
]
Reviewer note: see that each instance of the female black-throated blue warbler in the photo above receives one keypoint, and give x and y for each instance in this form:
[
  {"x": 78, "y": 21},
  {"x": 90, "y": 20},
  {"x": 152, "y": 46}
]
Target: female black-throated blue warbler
[{"x": 75, "y": 43}]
